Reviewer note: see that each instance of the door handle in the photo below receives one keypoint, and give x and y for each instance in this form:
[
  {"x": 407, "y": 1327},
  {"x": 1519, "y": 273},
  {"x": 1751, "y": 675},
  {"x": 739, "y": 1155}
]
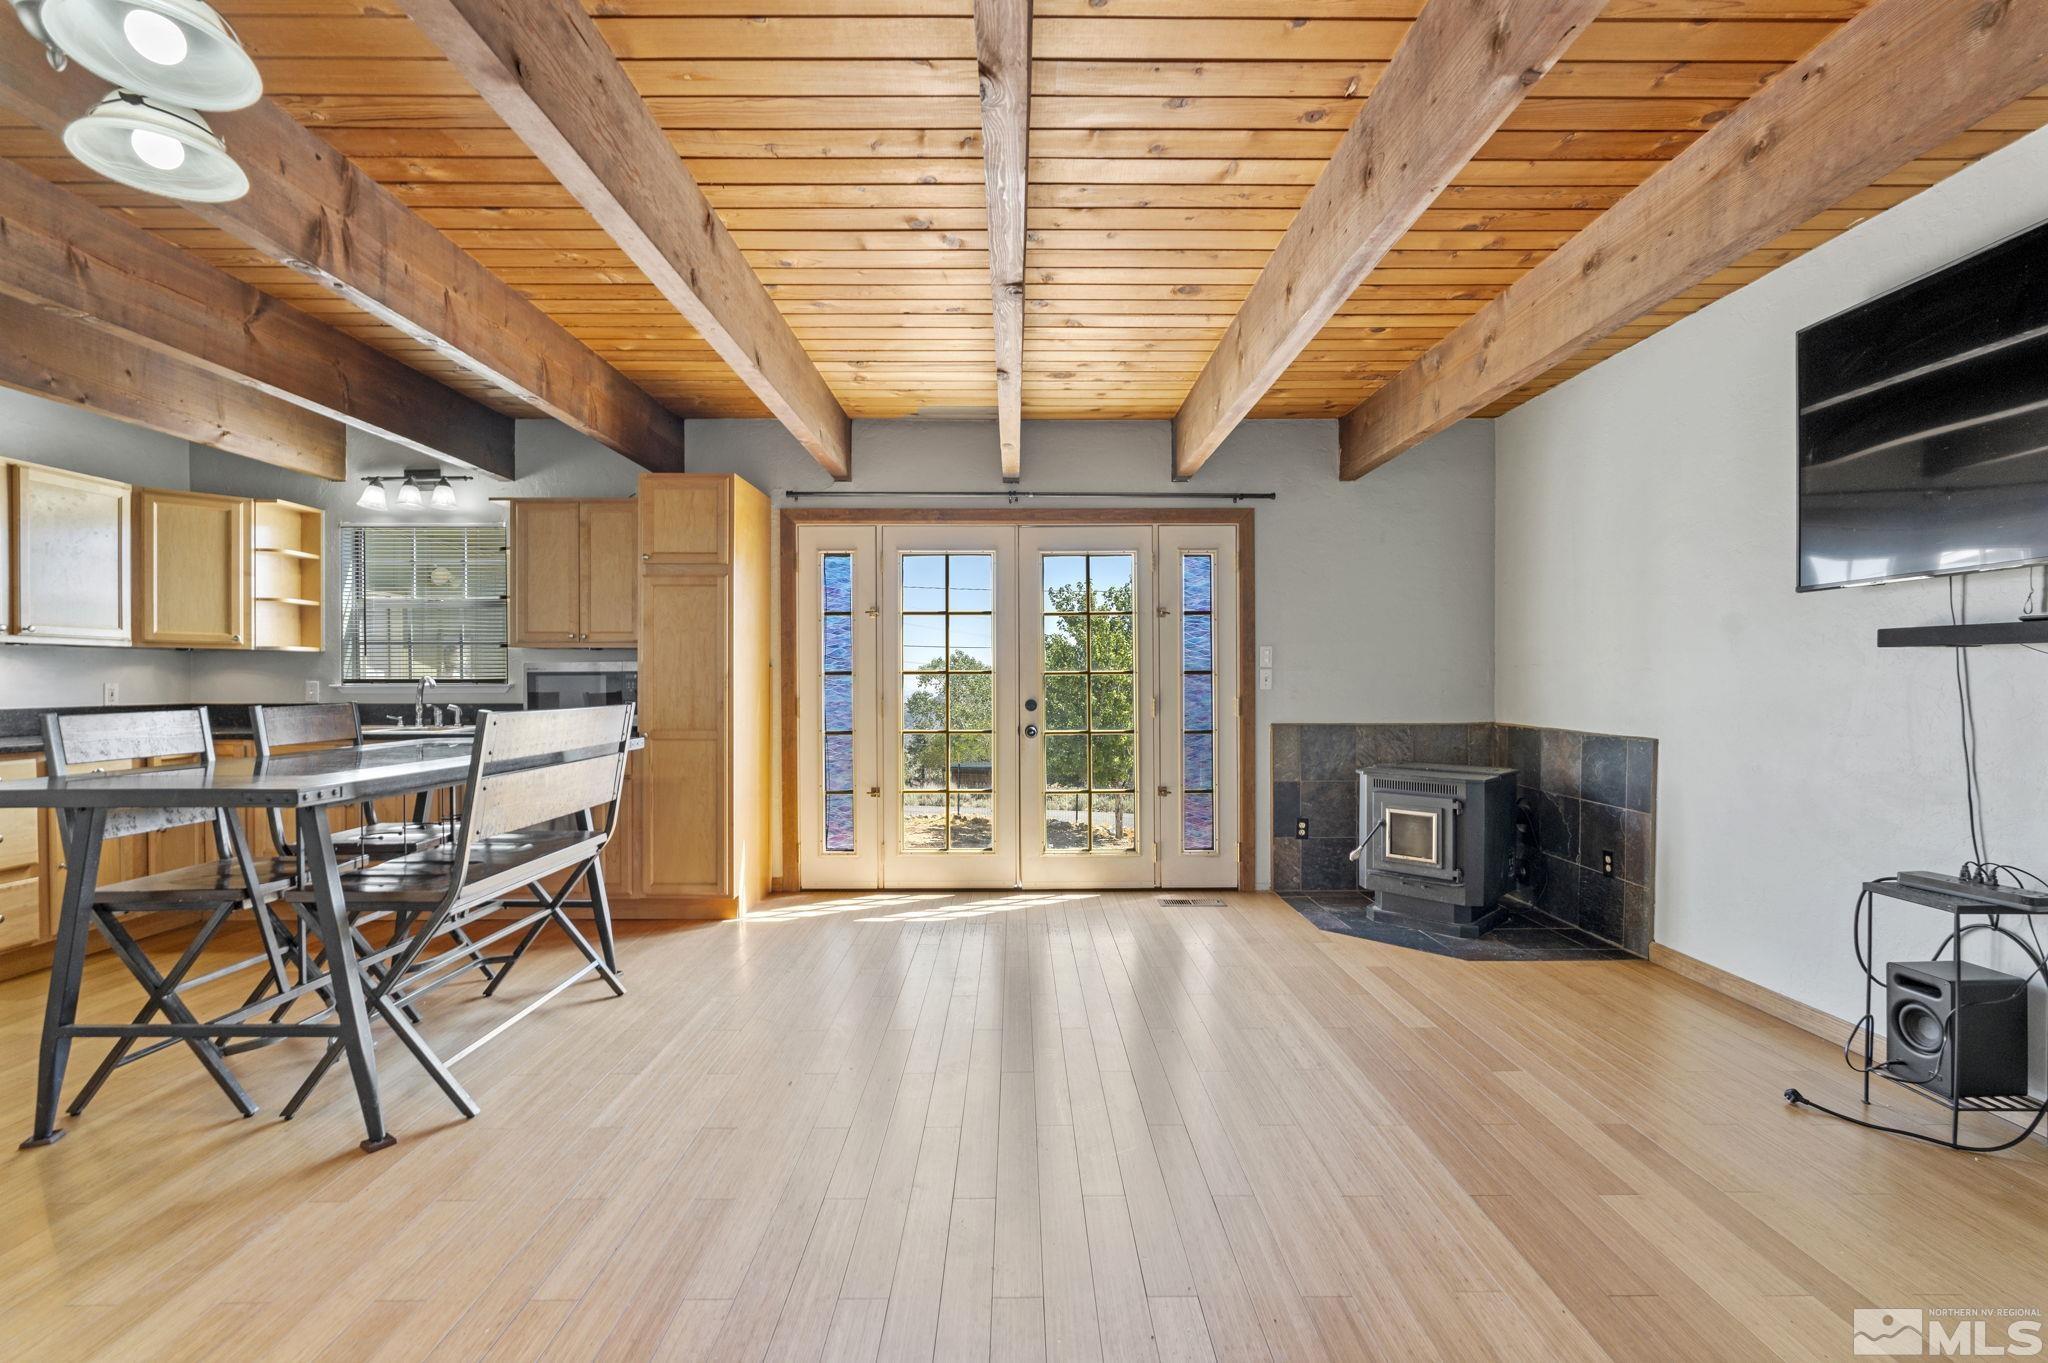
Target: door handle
[
  {"x": 1031, "y": 731},
  {"x": 1164, "y": 791},
  {"x": 874, "y": 790}
]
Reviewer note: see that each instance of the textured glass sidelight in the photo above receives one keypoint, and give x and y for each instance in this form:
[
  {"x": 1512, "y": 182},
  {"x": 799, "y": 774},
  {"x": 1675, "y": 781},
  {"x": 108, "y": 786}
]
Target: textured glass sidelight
[
  {"x": 1198, "y": 703},
  {"x": 1090, "y": 672},
  {"x": 948, "y": 721},
  {"x": 836, "y": 652}
]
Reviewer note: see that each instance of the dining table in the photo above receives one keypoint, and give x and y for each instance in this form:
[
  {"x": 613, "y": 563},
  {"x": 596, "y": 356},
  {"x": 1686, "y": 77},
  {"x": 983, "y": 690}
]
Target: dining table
[{"x": 310, "y": 783}]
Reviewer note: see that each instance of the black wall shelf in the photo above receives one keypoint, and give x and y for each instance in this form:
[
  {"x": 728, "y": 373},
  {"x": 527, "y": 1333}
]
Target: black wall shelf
[{"x": 1965, "y": 636}]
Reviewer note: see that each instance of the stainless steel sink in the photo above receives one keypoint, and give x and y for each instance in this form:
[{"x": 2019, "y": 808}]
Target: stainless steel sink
[{"x": 416, "y": 733}]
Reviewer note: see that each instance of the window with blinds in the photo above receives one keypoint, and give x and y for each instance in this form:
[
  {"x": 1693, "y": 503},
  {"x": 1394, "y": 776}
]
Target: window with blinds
[{"x": 426, "y": 600}]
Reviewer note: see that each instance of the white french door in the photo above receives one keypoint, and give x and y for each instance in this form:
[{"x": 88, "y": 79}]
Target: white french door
[{"x": 989, "y": 706}]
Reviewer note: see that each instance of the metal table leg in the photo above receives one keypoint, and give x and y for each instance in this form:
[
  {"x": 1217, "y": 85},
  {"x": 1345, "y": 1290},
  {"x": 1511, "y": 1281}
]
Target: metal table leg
[
  {"x": 82, "y": 836},
  {"x": 316, "y": 851}
]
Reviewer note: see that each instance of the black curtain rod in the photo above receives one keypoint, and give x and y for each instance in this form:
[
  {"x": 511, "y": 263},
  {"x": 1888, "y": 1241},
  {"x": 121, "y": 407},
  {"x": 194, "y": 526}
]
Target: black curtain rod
[{"x": 1017, "y": 495}]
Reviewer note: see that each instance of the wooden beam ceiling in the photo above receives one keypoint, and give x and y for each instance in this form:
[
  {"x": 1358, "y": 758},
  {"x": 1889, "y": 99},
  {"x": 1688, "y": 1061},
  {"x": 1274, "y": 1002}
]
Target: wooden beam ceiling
[
  {"x": 1460, "y": 70},
  {"x": 315, "y": 212},
  {"x": 1172, "y": 143},
  {"x": 68, "y": 257},
  {"x": 1901, "y": 78},
  {"x": 54, "y": 356},
  {"x": 1002, "y": 44},
  {"x": 545, "y": 69}
]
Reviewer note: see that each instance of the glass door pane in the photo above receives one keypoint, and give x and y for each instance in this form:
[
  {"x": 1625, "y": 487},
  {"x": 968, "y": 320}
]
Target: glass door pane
[
  {"x": 838, "y": 841},
  {"x": 949, "y": 625},
  {"x": 1087, "y": 820},
  {"x": 1198, "y": 712}
]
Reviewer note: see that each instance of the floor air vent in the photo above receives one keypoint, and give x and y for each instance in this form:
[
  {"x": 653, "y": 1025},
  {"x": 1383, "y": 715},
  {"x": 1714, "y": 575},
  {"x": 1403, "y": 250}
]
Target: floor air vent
[{"x": 1180, "y": 901}]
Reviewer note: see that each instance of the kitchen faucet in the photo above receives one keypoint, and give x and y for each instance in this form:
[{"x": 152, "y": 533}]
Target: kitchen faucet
[{"x": 419, "y": 704}]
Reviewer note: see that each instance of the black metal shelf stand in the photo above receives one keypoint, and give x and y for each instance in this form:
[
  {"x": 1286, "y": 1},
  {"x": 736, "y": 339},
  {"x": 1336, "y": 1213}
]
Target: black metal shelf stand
[{"x": 1959, "y": 908}]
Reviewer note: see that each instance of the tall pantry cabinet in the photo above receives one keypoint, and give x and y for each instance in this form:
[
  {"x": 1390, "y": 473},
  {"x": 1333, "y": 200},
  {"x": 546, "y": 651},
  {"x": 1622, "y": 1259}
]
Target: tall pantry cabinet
[{"x": 705, "y": 693}]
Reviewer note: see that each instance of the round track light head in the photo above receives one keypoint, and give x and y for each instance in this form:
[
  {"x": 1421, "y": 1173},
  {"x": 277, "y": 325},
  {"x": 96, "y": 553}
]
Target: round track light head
[
  {"x": 178, "y": 51},
  {"x": 157, "y": 148}
]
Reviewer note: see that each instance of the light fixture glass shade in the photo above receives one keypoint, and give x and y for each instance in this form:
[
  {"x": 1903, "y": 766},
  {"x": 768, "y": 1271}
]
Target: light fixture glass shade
[
  {"x": 408, "y": 493},
  {"x": 157, "y": 148},
  {"x": 174, "y": 50},
  {"x": 443, "y": 495},
  {"x": 373, "y": 498}
]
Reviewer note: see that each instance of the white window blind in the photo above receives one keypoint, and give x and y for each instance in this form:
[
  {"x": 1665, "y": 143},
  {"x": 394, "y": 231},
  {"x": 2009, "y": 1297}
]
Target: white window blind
[{"x": 426, "y": 600}]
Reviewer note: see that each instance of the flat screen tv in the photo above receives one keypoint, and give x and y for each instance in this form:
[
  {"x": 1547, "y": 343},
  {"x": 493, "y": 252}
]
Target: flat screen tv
[{"x": 1923, "y": 425}]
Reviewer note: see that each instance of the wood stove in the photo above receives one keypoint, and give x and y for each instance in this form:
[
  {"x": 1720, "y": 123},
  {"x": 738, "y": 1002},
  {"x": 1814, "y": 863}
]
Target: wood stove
[{"x": 1436, "y": 844}]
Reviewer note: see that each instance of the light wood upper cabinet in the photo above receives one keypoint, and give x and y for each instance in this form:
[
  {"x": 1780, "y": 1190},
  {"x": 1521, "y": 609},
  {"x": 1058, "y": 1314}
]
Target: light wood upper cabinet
[
  {"x": 192, "y": 569},
  {"x": 686, "y": 518},
  {"x": 72, "y": 551},
  {"x": 611, "y": 573},
  {"x": 575, "y": 570},
  {"x": 6, "y": 549}
]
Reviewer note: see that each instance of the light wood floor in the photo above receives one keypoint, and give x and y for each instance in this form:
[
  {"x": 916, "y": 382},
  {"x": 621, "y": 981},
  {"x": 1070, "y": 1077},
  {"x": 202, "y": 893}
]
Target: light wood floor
[{"x": 1067, "y": 1126}]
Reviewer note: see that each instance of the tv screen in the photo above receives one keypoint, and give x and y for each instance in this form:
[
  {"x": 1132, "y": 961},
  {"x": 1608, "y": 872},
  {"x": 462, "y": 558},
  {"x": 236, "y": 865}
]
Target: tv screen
[{"x": 1923, "y": 425}]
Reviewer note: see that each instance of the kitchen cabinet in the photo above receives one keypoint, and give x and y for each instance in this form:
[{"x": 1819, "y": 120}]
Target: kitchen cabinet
[
  {"x": 288, "y": 579},
  {"x": 574, "y": 574},
  {"x": 192, "y": 569},
  {"x": 702, "y": 787},
  {"x": 71, "y": 539},
  {"x": 21, "y": 865}
]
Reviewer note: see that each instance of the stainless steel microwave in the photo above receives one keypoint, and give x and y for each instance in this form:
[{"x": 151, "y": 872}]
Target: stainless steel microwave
[{"x": 569, "y": 686}]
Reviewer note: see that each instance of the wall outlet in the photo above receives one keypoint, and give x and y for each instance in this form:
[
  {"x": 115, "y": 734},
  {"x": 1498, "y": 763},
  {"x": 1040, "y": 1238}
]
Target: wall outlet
[
  {"x": 312, "y": 690},
  {"x": 1265, "y": 679},
  {"x": 1301, "y": 828},
  {"x": 110, "y": 693},
  {"x": 1607, "y": 864},
  {"x": 1265, "y": 655}
]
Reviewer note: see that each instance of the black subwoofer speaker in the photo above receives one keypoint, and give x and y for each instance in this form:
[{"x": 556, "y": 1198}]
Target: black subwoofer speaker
[{"x": 1922, "y": 1029}]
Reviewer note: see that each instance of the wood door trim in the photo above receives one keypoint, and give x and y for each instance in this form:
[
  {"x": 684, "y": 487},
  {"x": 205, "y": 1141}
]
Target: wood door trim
[{"x": 1239, "y": 518}]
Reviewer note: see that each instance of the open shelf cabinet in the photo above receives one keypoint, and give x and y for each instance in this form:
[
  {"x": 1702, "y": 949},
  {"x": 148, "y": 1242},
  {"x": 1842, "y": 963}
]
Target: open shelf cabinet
[{"x": 289, "y": 579}]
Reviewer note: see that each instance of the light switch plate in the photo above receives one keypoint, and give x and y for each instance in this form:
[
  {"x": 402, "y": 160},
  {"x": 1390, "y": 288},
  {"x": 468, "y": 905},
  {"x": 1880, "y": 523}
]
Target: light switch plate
[
  {"x": 1265, "y": 679},
  {"x": 1265, "y": 655},
  {"x": 312, "y": 690},
  {"x": 110, "y": 693}
]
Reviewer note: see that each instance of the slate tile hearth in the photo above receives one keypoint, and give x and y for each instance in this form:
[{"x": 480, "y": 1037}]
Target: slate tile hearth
[
  {"x": 1532, "y": 936},
  {"x": 1590, "y": 794}
]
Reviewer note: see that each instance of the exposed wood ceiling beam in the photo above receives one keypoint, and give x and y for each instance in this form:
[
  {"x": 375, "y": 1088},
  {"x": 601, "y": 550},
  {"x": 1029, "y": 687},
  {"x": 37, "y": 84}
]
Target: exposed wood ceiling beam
[
  {"x": 1900, "y": 78},
  {"x": 64, "y": 255},
  {"x": 1459, "y": 73},
  {"x": 53, "y": 356},
  {"x": 543, "y": 67},
  {"x": 311, "y": 209},
  {"x": 1002, "y": 45}
]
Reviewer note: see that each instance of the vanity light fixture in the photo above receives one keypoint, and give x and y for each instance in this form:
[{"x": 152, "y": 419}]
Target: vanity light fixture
[{"x": 416, "y": 488}]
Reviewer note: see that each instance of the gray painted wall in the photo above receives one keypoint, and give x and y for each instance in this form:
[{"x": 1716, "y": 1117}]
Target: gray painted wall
[
  {"x": 41, "y": 431},
  {"x": 1645, "y": 586}
]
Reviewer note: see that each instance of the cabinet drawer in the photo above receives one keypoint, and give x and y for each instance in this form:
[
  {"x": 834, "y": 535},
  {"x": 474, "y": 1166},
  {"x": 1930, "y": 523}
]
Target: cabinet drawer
[
  {"x": 21, "y": 908},
  {"x": 19, "y": 846}
]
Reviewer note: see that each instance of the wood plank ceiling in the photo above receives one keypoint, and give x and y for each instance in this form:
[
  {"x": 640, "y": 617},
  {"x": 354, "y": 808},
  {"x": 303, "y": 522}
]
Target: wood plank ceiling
[{"x": 1171, "y": 143}]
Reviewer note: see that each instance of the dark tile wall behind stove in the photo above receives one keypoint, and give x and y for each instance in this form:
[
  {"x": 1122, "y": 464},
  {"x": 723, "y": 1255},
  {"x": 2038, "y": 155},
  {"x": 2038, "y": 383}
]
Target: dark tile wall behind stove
[{"x": 1592, "y": 794}]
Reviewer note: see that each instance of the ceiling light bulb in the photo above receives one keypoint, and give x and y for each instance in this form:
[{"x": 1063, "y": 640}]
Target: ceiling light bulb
[
  {"x": 408, "y": 493},
  {"x": 156, "y": 147},
  {"x": 177, "y": 51},
  {"x": 158, "y": 39},
  {"x": 373, "y": 496},
  {"x": 152, "y": 148},
  {"x": 443, "y": 495}
]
